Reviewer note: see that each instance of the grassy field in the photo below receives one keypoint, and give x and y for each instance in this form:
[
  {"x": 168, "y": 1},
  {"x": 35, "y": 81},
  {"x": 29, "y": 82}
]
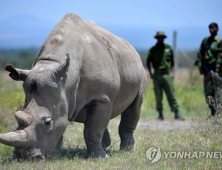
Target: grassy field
[{"x": 198, "y": 133}]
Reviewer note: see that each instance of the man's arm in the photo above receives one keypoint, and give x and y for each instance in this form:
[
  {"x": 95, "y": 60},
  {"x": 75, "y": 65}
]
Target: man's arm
[
  {"x": 218, "y": 58},
  {"x": 219, "y": 46},
  {"x": 148, "y": 63},
  {"x": 172, "y": 61},
  {"x": 200, "y": 55}
]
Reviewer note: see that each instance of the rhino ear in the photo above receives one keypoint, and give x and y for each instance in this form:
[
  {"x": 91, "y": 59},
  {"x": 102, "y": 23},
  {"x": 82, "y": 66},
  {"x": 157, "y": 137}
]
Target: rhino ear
[
  {"x": 63, "y": 67},
  {"x": 17, "y": 74}
]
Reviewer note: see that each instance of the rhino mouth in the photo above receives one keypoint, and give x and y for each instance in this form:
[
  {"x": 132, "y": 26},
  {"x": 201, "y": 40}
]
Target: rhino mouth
[{"x": 30, "y": 154}]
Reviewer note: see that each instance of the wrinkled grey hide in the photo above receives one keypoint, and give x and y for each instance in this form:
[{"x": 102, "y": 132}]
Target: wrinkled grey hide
[{"x": 82, "y": 73}]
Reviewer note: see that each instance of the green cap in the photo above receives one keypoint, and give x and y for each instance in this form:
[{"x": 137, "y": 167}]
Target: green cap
[{"x": 160, "y": 34}]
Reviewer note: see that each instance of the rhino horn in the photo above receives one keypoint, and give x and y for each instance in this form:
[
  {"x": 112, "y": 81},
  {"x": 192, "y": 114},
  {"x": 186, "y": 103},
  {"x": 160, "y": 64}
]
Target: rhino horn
[
  {"x": 16, "y": 139},
  {"x": 23, "y": 118}
]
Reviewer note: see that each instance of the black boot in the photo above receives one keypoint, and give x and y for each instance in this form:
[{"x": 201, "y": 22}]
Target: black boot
[
  {"x": 213, "y": 111},
  {"x": 178, "y": 116},
  {"x": 160, "y": 117}
]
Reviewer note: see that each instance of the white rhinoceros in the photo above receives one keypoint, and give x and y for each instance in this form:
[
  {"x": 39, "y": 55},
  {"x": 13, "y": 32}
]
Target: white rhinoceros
[{"x": 82, "y": 73}]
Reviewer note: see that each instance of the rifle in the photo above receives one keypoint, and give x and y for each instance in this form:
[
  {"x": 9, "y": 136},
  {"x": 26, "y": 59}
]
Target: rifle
[
  {"x": 218, "y": 78},
  {"x": 206, "y": 70}
]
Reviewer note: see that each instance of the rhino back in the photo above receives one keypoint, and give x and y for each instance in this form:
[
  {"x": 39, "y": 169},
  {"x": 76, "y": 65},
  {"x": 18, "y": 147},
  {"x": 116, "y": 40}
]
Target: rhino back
[
  {"x": 102, "y": 65},
  {"x": 110, "y": 67}
]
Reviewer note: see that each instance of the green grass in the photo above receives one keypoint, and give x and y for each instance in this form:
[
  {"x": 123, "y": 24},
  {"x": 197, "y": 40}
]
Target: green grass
[
  {"x": 11, "y": 99},
  {"x": 203, "y": 134},
  {"x": 190, "y": 99},
  {"x": 73, "y": 152}
]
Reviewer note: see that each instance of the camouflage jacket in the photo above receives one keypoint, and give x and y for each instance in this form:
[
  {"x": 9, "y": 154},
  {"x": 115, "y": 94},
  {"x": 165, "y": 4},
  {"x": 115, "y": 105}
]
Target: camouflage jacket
[{"x": 209, "y": 54}]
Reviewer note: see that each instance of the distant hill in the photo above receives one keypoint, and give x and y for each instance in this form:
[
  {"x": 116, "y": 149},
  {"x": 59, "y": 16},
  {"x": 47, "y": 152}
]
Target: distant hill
[{"x": 23, "y": 31}]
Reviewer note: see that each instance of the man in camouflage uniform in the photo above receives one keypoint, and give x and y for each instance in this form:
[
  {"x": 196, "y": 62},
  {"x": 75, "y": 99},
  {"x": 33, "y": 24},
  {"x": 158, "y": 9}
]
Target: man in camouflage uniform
[
  {"x": 161, "y": 58},
  {"x": 209, "y": 59}
]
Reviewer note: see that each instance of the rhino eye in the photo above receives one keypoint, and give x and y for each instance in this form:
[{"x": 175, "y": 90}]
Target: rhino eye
[
  {"x": 48, "y": 124},
  {"x": 48, "y": 121}
]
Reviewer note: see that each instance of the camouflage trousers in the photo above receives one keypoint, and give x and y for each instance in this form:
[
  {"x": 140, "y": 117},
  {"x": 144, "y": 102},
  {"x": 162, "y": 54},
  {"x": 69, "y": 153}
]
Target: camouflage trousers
[
  {"x": 213, "y": 90},
  {"x": 164, "y": 82}
]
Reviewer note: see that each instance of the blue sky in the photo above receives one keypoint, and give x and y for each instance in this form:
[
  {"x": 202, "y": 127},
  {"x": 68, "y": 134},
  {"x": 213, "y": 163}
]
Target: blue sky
[{"x": 27, "y": 23}]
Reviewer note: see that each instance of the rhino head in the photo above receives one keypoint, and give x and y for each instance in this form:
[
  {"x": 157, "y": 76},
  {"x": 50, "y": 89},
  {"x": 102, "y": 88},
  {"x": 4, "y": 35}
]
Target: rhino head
[{"x": 43, "y": 119}]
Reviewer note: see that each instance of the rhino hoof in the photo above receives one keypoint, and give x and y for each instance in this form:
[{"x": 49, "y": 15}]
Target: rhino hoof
[
  {"x": 128, "y": 147},
  {"x": 127, "y": 144},
  {"x": 98, "y": 154}
]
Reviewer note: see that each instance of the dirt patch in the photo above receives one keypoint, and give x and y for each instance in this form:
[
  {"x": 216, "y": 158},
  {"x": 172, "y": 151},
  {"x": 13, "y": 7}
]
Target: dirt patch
[{"x": 167, "y": 124}]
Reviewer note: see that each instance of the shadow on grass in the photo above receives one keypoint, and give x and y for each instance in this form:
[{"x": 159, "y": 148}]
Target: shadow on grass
[
  {"x": 63, "y": 154},
  {"x": 78, "y": 152},
  {"x": 70, "y": 153}
]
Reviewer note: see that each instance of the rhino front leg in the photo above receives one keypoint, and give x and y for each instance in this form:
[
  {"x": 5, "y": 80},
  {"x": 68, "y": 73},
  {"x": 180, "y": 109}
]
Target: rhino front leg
[
  {"x": 98, "y": 116},
  {"x": 106, "y": 139}
]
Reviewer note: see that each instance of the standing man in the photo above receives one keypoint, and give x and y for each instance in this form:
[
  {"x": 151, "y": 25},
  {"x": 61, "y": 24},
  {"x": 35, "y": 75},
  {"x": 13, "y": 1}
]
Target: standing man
[
  {"x": 161, "y": 57},
  {"x": 209, "y": 59}
]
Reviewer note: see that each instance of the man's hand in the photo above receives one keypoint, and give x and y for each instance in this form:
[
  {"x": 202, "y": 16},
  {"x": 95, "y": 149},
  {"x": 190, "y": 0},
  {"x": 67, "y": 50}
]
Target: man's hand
[
  {"x": 214, "y": 74},
  {"x": 201, "y": 71},
  {"x": 219, "y": 44}
]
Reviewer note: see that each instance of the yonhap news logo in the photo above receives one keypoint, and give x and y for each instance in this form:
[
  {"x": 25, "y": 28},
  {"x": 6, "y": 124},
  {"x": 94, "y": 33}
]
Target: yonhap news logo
[{"x": 154, "y": 154}]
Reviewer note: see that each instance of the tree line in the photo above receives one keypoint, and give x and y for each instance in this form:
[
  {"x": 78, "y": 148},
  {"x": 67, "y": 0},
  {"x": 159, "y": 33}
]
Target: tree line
[
  {"x": 20, "y": 58},
  {"x": 23, "y": 58}
]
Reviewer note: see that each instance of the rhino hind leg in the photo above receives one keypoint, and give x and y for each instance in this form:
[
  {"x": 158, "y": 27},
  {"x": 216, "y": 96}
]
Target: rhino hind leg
[
  {"x": 98, "y": 114},
  {"x": 106, "y": 141},
  {"x": 128, "y": 123}
]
